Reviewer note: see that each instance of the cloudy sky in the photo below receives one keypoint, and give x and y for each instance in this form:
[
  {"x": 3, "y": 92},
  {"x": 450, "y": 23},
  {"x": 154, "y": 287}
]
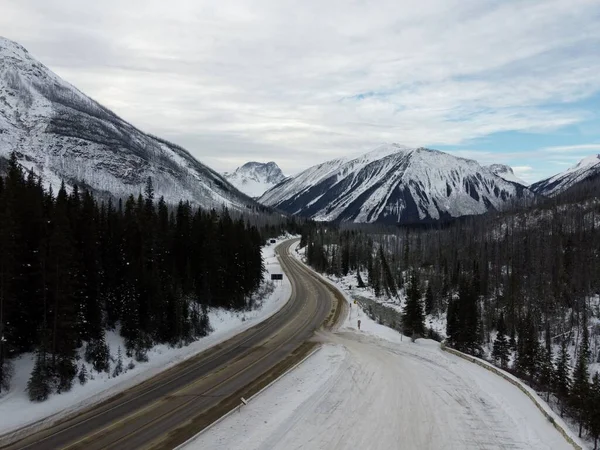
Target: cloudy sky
[{"x": 300, "y": 82}]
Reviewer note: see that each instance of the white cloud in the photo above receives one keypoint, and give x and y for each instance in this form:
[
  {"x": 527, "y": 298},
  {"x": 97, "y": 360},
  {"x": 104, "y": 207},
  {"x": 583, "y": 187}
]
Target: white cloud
[
  {"x": 573, "y": 148},
  {"x": 279, "y": 80}
]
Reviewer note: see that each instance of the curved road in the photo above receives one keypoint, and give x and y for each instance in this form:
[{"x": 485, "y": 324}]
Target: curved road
[{"x": 171, "y": 407}]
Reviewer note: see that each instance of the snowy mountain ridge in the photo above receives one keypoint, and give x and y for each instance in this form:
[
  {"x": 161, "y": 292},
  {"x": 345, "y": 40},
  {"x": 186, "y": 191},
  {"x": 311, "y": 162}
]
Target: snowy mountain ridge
[
  {"x": 507, "y": 173},
  {"x": 394, "y": 184},
  {"x": 64, "y": 135},
  {"x": 254, "y": 178},
  {"x": 585, "y": 169}
]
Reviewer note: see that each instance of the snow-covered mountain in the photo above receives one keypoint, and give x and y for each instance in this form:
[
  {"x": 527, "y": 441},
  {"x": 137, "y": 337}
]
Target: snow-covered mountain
[
  {"x": 65, "y": 135},
  {"x": 394, "y": 184},
  {"x": 254, "y": 178},
  {"x": 507, "y": 173},
  {"x": 586, "y": 169}
]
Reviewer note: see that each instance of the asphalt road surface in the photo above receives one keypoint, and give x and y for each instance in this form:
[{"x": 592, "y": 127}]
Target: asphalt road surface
[{"x": 171, "y": 407}]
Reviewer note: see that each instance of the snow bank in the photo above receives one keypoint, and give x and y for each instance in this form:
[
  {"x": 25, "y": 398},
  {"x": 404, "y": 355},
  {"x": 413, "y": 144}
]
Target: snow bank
[{"x": 17, "y": 411}]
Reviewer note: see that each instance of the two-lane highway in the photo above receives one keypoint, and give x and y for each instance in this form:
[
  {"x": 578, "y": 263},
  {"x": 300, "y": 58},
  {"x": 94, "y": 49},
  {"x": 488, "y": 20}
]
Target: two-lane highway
[{"x": 169, "y": 408}]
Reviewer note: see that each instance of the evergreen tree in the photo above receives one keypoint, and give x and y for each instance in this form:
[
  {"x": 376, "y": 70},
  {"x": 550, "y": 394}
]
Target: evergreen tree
[
  {"x": 388, "y": 278},
  {"x": 98, "y": 354},
  {"x": 452, "y": 322},
  {"x": 429, "y": 301},
  {"x": 501, "y": 351},
  {"x": 345, "y": 259},
  {"x": 527, "y": 349},
  {"x": 462, "y": 327},
  {"x": 546, "y": 366},
  {"x": 562, "y": 379},
  {"x": 359, "y": 281},
  {"x": 581, "y": 387},
  {"x": 512, "y": 341},
  {"x": 469, "y": 319},
  {"x": 593, "y": 409},
  {"x": 413, "y": 321},
  {"x": 38, "y": 386},
  {"x": 375, "y": 277},
  {"x": 118, "y": 370},
  {"x": 83, "y": 375},
  {"x": 62, "y": 307}
]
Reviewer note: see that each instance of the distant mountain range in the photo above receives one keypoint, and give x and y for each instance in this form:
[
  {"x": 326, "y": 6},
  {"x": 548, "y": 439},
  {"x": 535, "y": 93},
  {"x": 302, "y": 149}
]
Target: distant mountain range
[
  {"x": 254, "y": 178},
  {"x": 64, "y": 135},
  {"x": 586, "y": 170},
  {"x": 396, "y": 184}
]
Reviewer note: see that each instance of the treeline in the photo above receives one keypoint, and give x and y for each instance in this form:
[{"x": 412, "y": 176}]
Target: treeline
[
  {"x": 524, "y": 278},
  {"x": 71, "y": 267}
]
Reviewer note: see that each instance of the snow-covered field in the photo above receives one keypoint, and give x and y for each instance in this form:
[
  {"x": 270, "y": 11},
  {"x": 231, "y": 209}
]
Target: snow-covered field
[
  {"x": 374, "y": 389},
  {"x": 16, "y": 410}
]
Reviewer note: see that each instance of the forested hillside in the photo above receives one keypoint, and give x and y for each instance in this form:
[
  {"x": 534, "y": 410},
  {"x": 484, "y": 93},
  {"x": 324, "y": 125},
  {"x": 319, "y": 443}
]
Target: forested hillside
[
  {"x": 72, "y": 267},
  {"x": 519, "y": 288}
]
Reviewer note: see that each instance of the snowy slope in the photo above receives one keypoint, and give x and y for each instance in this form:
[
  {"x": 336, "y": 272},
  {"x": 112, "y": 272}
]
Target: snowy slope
[
  {"x": 370, "y": 389},
  {"x": 254, "y": 178},
  {"x": 506, "y": 172},
  {"x": 301, "y": 182},
  {"x": 586, "y": 169},
  {"x": 394, "y": 184},
  {"x": 65, "y": 135}
]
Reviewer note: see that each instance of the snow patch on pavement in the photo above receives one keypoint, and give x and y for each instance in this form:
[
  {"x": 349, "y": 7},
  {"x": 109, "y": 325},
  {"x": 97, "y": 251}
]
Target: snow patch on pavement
[{"x": 17, "y": 411}]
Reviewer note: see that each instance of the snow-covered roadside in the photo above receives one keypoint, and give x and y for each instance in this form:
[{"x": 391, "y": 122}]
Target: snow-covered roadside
[
  {"x": 17, "y": 411},
  {"x": 375, "y": 389},
  {"x": 349, "y": 286}
]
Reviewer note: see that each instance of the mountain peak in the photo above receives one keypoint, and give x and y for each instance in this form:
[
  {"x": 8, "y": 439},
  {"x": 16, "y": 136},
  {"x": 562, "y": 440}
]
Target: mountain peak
[
  {"x": 588, "y": 161},
  {"x": 12, "y": 48},
  {"x": 506, "y": 172},
  {"x": 388, "y": 149},
  {"x": 63, "y": 135},
  {"x": 394, "y": 184},
  {"x": 586, "y": 169},
  {"x": 254, "y": 178}
]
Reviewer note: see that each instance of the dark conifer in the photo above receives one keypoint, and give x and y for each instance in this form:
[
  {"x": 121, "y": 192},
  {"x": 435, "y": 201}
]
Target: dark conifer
[
  {"x": 527, "y": 357},
  {"x": 546, "y": 366},
  {"x": 429, "y": 300},
  {"x": 64, "y": 338},
  {"x": 82, "y": 375},
  {"x": 118, "y": 370},
  {"x": 452, "y": 322},
  {"x": 562, "y": 379},
  {"x": 593, "y": 409},
  {"x": 413, "y": 321},
  {"x": 501, "y": 350},
  {"x": 581, "y": 386},
  {"x": 359, "y": 281},
  {"x": 38, "y": 386}
]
